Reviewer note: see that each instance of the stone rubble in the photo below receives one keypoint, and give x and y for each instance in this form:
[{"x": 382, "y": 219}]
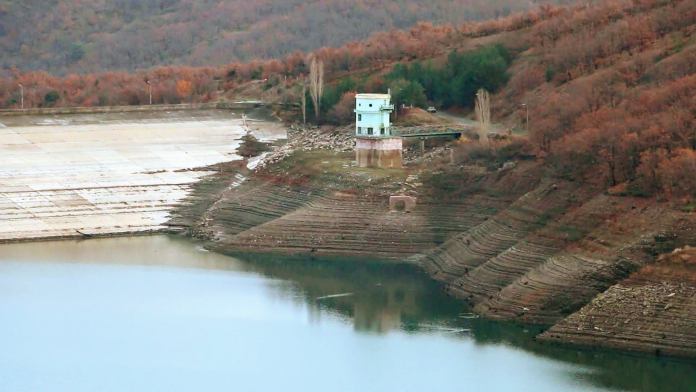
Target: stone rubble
[{"x": 311, "y": 138}]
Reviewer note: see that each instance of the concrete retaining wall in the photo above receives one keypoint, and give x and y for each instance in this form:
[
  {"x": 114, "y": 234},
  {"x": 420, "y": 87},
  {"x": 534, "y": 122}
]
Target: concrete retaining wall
[{"x": 135, "y": 108}]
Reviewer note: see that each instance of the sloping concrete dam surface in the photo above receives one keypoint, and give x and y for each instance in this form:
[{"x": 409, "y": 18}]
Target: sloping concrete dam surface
[{"x": 74, "y": 175}]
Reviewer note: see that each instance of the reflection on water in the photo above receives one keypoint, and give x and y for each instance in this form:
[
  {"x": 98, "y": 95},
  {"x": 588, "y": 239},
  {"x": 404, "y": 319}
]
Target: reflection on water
[
  {"x": 375, "y": 297},
  {"x": 159, "y": 313}
]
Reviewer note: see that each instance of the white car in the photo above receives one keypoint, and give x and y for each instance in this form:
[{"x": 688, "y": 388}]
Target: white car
[{"x": 431, "y": 109}]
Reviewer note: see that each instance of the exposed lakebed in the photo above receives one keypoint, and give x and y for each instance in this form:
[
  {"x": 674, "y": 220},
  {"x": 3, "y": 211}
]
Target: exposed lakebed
[
  {"x": 110, "y": 173},
  {"x": 162, "y": 314}
]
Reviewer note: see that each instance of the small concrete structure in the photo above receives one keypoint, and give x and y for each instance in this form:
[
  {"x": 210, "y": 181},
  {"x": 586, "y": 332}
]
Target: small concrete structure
[
  {"x": 402, "y": 203},
  {"x": 372, "y": 113},
  {"x": 375, "y": 146}
]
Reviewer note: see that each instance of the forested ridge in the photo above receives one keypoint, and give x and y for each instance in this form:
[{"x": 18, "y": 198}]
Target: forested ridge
[
  {"x": 609, "y": 87},
  {"x": 62, "y": 36},
  {"x": 206, "y": 83}
]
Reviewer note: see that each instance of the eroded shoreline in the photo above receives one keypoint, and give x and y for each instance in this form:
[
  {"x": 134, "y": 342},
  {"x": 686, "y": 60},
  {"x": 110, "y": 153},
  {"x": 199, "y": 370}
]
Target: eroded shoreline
[{"x": 515, "y": 244}]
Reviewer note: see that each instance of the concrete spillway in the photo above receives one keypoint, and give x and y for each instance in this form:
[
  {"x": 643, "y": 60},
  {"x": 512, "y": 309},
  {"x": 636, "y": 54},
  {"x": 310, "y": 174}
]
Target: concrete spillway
[{"x": 107, "y": 174}]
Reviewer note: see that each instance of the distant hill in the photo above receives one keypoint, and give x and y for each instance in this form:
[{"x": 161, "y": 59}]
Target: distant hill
[{"x": 63, "y": 36}]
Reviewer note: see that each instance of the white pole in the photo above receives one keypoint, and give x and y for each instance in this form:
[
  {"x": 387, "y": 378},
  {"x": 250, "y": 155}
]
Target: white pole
[{"x": 21, "y": 89}]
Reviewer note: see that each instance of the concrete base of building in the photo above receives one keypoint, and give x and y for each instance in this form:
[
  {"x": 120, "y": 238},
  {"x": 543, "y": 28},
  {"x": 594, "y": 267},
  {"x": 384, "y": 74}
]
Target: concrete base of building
[{"x": 379, "y": 152}]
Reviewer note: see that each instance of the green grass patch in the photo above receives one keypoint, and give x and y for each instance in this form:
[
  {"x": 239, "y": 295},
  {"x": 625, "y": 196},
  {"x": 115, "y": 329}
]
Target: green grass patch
[{"x": 689, "y": 207}]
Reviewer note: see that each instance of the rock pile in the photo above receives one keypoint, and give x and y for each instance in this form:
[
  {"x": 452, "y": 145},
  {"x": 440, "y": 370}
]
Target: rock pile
[{"x": 312, "y": 138}]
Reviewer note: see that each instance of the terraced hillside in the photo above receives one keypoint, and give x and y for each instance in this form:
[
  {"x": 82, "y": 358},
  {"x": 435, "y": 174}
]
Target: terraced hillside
[
  {"x": 549, "y": 253},
  {"x": 469, "y": 250},
  {"x": 517, "y": 244},
  {"x": 503, "y": 269},
  {"x": 652, "y": 310},
  {"x": 307, "y": 212}
]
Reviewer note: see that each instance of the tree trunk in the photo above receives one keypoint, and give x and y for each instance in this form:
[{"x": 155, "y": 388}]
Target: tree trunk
[{"x": 483, "y": 114}]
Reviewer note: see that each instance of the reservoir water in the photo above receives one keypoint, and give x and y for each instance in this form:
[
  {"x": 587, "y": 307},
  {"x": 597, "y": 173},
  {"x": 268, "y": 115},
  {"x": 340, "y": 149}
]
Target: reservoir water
[{"x": 162, "y": 314}]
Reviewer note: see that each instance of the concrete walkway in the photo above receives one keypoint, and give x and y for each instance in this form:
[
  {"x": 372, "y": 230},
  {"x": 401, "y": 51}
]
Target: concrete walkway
[
  {"x": 65, "y": 176},
  {"x": 467, "y": 122}
]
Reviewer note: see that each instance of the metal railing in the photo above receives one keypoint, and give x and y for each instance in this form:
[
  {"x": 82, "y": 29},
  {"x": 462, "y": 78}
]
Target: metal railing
[{"x": 424, "y": 131}]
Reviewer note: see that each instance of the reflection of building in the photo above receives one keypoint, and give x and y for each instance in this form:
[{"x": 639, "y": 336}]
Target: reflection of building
[
  {"x": 382, "y": 310},
  {"x": 379, "y": 309},
  {"x": 374, "y": 297},
  {"x": 374, "y": 145}
]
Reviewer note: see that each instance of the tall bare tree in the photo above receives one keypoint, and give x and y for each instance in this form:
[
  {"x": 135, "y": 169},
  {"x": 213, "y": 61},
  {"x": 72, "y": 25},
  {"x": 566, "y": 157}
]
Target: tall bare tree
[
  {"x": 316, "y": 83},
  {"x": 483, "y": 115}
]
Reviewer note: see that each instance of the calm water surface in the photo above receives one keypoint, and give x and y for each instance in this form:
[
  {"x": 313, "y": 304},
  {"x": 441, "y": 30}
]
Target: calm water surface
[{"x": 161, "y": 314}]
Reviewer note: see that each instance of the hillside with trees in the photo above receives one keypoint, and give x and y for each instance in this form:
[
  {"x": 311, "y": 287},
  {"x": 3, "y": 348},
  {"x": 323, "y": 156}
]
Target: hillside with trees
[
  {"x": 63, "y": 36},
  {"x": 609, "y": 90},
  {"x": 609, "y": 87}
]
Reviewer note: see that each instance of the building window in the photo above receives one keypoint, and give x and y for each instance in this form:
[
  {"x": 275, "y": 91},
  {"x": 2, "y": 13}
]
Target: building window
[
  {"x": 369, "y": 131},
  {"x": 359, "y": 117},
  {"x": 370, "y": 105},
  {"x": 359, "y": 130},
  {"x": 381, "y": 131}
]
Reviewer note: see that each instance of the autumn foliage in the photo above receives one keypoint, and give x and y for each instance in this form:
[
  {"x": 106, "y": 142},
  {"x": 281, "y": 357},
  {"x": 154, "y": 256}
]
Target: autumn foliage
[
  {"x": 380, "y": 51},
  {"x": 76, "y": 36},
  {"x": 611, "y": 94},
  {"x": 609, "y": 86}
]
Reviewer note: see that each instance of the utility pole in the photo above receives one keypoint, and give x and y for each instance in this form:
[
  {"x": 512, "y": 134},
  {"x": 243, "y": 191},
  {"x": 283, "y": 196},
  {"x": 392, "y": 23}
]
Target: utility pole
[
  {"x": 21, "y": 89},
  {"x": 526, "y": 108},
  {"x": 149, "y": 90}
]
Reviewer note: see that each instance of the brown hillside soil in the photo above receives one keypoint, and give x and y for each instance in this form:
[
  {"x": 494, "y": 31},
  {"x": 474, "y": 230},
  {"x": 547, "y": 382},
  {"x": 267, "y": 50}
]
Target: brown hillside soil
[{"x": 654, "y": 310}]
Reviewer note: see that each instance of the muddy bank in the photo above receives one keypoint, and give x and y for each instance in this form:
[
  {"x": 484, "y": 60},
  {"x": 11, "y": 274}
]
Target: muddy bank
[{"x": 516, "y": 244}]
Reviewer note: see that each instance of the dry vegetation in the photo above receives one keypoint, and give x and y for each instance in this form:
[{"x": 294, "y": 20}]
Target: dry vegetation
[{"x": 609, "y": 86}]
